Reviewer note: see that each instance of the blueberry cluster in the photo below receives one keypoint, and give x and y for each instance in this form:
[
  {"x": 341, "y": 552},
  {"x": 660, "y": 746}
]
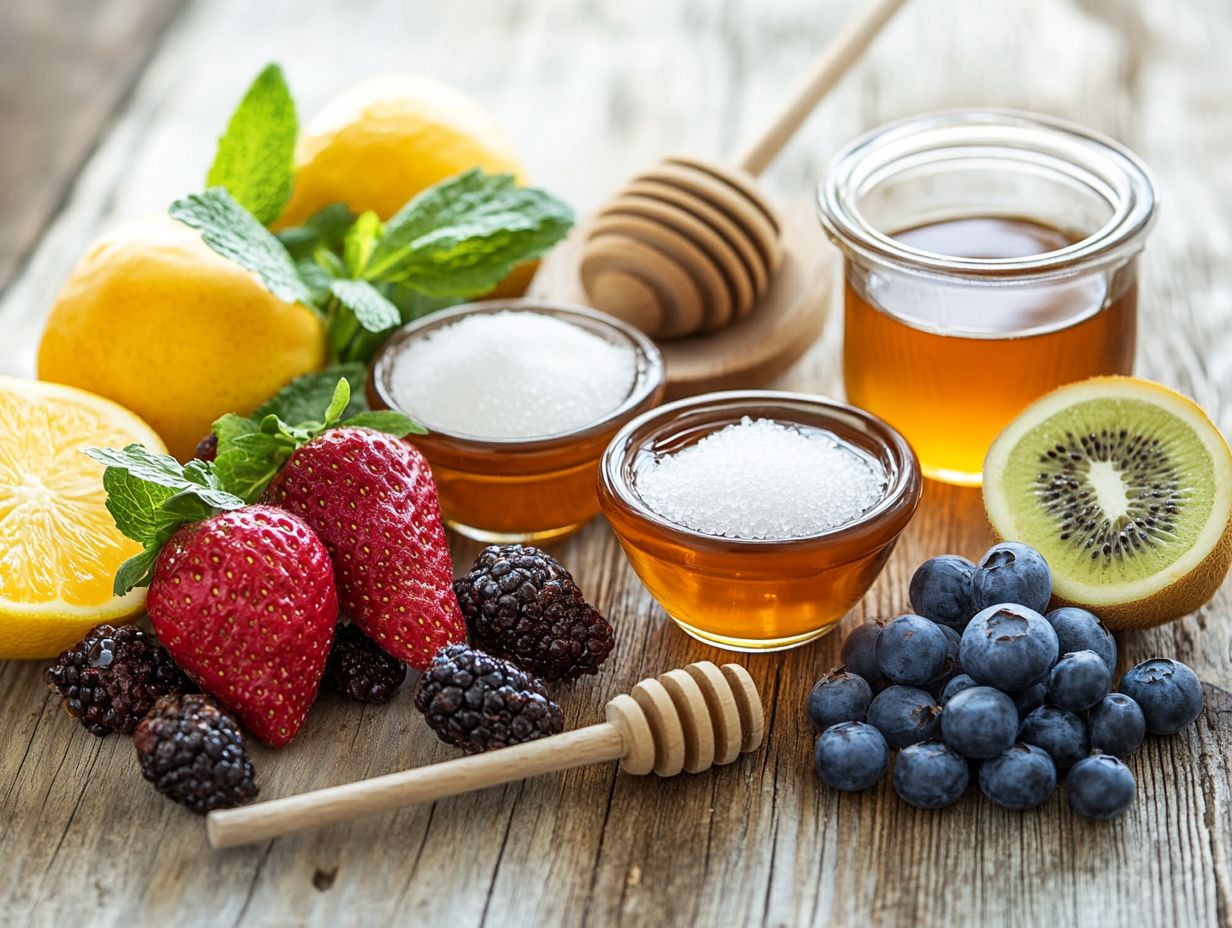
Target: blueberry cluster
[{"x": 980, "y": 678}]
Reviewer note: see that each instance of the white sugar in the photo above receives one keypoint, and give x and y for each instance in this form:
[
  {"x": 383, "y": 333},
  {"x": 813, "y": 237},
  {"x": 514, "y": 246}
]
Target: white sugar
[
  {"x": 762, "y": 479},
  {"x": 512, "y": 375}
]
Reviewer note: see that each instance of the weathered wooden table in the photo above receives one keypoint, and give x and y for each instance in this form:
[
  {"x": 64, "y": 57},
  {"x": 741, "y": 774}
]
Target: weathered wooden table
[{"x": 110, "y": 107}]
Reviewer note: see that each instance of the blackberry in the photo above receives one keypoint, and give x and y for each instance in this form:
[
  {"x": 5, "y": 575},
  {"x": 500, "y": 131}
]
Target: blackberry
[
  {"x": 359, "y": 668},
  {"x": 207, "y": 448},
  {"x": 480, "y": 702},
  {"x": 522, "y": 605},
  {"x": 111, "y": 678},
  {"x": 194, "y": 754}
]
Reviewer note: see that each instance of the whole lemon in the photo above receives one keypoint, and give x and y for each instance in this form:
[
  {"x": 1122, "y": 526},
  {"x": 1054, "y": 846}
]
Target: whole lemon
[
  {"x": 375, "y": 146},
  {"x": 155, "y": 320}
]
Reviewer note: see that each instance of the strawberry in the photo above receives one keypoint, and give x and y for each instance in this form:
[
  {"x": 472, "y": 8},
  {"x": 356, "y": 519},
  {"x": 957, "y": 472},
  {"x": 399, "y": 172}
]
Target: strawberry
[
  {"x": 371, "y": 499},
  {"x": 245, "y": 602}
]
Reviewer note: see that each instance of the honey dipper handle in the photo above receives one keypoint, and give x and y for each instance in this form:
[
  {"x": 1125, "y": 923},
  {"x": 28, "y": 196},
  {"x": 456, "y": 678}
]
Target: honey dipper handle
[
  {"x": 596, "y": 744},
  {"x": 839, "y": 54}
]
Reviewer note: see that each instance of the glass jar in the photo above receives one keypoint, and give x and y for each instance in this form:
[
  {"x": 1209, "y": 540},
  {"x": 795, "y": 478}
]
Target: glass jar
[{"x": 989, "y": 257}]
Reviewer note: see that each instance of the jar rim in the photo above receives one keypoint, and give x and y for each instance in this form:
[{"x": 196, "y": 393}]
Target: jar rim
[{"x": 1011, "y": 135}]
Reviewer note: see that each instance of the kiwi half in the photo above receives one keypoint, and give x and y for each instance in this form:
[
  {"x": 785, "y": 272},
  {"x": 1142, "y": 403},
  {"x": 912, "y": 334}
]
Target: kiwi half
[{"x": 1125, "y": 487}]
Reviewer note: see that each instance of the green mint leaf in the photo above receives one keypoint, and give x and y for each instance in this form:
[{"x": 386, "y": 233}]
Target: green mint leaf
[
  {"x": 134, "y": 503},
  {"x": 247, "y": 463},
  {"x": 304, "y": 397},
  {"x": 150, "y": 496},
  {"x": 412, "y": 304},
  {"x": 236, "y": 234},
  {"x": 361, "y": 239},
  {"x": 326, "y": 228},
  {"x": 231, "y": 426},
  {"x": 255, "y": 158},
  {"x": 464, "y": 235},
  {"x": 372, "y": 308},
  {"x": 385, "y": 420},
  {"x": 339, "y": 402}
]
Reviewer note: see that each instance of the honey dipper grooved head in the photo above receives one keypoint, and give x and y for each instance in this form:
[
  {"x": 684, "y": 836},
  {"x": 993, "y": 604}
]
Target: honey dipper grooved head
[
  {"x": 686, "y": 248},
  {"x": 689, "y": 720}
]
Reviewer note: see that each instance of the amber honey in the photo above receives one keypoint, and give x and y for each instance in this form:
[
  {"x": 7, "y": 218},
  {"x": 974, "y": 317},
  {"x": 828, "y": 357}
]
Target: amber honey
[
  {"x": 755, "y": 595},
  {"x": 950, "y": 366},
  {"x": 988, "y": 258}
]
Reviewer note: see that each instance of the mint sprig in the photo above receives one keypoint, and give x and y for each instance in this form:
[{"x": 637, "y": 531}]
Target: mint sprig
[
  {"x": 255, "y": 157},
  {"x": 457, "y": 239},
  {"x": 251, "y": 451},
  {"x": 150, "y": 496}
]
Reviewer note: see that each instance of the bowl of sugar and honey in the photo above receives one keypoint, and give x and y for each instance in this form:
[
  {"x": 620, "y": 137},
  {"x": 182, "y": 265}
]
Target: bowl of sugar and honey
[
  {"x": 989, "y": 257},
  {"x": 520, "y": 398},
  {"x": 758, "y": 518}
]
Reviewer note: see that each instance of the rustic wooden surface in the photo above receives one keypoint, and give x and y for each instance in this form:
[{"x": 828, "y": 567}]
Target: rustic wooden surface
[{"x": 591, "y": 91}]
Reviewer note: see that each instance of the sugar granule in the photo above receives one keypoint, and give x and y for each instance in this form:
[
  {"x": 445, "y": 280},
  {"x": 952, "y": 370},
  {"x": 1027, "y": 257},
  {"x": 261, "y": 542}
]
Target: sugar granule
[
  {"x": 761, "y": 479},
  {"x": 512, "y": 374}
]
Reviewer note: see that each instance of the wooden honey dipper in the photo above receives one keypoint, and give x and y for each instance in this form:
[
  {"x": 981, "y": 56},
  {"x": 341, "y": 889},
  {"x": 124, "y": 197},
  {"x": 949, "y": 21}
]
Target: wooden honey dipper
[
  {"x": 691, "y": 245},
  {"x": 682, "y": 720}
]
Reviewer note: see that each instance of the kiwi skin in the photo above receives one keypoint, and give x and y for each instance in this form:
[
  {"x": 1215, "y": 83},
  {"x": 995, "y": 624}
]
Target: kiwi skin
[
  {"x": 1182, "y": 595},
  {"x": 1195, "y": 589}
]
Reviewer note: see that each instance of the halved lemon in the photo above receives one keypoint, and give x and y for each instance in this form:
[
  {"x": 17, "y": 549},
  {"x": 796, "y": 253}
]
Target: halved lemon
[{"x": 59, "y": 548}]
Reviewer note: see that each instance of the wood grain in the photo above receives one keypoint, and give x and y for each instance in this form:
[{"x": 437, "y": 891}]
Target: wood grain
[{"x": 590, "y": 92}]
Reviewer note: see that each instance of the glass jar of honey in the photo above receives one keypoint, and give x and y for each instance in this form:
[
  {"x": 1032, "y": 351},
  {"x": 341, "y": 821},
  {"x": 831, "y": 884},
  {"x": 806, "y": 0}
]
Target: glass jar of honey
[{"x": 989, "y": 257}]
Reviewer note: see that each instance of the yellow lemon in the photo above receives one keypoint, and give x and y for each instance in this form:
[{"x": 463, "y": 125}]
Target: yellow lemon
[
  {"x": 378, "y": 144},
  {"x": 59, "y": 549},
  {"x": 154, "y": 319}
]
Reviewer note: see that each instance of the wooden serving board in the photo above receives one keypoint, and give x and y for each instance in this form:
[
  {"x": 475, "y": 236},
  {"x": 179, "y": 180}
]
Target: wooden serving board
[{"x": 752, "y": 351}]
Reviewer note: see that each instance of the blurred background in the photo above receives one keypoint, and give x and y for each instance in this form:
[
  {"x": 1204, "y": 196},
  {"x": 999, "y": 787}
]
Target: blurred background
[{"x": 112, "y": 107}]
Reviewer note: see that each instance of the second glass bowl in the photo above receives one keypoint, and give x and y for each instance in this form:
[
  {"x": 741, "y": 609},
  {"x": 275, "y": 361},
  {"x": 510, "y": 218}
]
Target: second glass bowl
[
  {"x": 756, "y": 595},
  {"x": 504, "y": 490}
]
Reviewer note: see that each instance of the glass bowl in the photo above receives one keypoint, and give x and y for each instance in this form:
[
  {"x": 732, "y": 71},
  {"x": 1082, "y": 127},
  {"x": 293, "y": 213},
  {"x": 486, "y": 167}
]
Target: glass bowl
[
  {"x": 749, "y": 594},
  {"x": 505, "y": 490}
]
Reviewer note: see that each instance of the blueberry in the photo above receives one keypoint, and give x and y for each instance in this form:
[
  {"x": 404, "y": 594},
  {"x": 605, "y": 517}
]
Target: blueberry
[
  {"x": 941, "y": 590},
  {"x": 839, "y": 696},
  {"x": 1079, "y": 630},
  {"x": 860, "y": 654},
  {"x": 953, "y": 666},
  {"x": 1100, "y": 787},
  {"x": 1078, "y": 681},
  {"x": 904, "y": 715},
  {"x": 1168, "y": 692},
  {"x": 1021, "y": 777},
  {"x": 957, "y": 684},
  {"x": 1012, "y": 572},
  {"x": 1028, "y": 700},
  {"x": 911, "y": 650},
  {"x": 1117, "y": 725},
  {"x": 851, "y": 756},
  {"x": 980, "y": 722},
  {"x": 930, "y": 775},
  {"x": 1010, "y": 647},
  {"x": 1063, "y": 734}
]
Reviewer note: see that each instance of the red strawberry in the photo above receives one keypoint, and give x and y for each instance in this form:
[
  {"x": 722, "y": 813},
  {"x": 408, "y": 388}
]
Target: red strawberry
[
  {"x": 371, "y": 499},
  {"x": 245, "y": 602}
]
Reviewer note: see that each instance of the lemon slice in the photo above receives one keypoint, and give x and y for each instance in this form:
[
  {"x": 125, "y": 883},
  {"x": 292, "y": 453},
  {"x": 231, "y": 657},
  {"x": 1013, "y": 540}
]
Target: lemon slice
[{"x": 59, "y": 548}]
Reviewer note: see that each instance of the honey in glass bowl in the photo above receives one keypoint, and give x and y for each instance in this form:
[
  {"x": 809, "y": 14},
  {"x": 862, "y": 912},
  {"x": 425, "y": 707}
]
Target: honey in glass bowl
[
  {"x": 989, "y": 257},
  {"x": 518, "y": 488},
  {"x": 767, "y": 593}
]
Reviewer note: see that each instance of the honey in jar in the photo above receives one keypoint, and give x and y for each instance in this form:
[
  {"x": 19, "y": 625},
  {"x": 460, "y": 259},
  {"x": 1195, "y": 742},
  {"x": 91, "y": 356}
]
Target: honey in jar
[{"x": 988, "y": 258}]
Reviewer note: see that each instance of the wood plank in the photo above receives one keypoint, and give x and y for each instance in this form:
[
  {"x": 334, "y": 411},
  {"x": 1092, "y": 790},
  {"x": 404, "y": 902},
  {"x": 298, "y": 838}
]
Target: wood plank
[
  {"x": 65, "y": 66},
  {"x": 591, "y": 92}
]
